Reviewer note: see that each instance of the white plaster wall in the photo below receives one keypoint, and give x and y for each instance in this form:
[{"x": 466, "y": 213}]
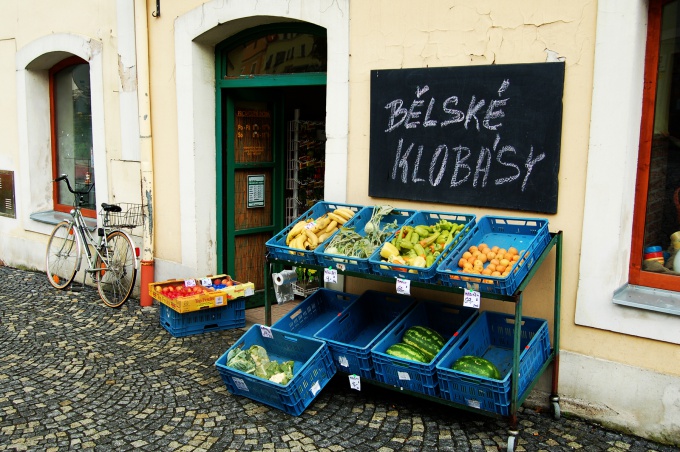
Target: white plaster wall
[
  {"x": 613, "y": 150},
  {"x": 196, "y": 33},
  {"x": 644, "y": 402}
]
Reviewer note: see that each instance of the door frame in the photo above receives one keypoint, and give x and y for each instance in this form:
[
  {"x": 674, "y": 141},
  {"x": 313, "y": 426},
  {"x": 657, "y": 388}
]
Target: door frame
[{"x": 223, "y": 89}]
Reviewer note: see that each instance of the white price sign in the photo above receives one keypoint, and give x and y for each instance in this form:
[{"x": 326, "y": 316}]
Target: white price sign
[
  {"x": 266, "y": 332},
  {"x": 206, "y": 282},
  {"x": 189, "y": 283},
  {"x": 471, "y": 299},
  {"x": 403, "y": 286},
  {"x": 330, "y": 275},
  {"x": 355, "y": 382}
]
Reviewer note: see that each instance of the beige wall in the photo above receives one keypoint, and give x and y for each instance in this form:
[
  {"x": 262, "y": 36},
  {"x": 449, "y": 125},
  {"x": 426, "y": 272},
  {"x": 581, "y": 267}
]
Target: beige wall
[{"x": 398, "y": 34}]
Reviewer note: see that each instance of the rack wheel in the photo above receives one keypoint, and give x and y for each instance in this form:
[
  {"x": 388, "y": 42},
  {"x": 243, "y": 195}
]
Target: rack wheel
[
  {"x": 556, "y": 410},
  {"x": 511, "y": 443}
]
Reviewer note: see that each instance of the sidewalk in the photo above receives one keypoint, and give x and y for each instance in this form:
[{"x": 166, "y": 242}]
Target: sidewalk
[{"x": 76, "y": 375}]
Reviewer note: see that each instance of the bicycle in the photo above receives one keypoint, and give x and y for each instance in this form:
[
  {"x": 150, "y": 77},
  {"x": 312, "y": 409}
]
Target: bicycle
[{"x": 111, "y": 256}]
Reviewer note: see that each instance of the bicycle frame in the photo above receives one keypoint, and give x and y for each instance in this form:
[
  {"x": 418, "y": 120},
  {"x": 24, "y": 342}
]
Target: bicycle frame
[{"x": 94, "y": 248}]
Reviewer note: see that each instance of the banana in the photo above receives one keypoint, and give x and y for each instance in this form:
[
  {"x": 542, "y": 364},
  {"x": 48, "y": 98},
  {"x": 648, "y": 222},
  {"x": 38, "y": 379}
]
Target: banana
[
  {"x": 340, "y": 219},
  {"x": 295, "y": 230},
  {"x": 323, "y": 236},
  {"x": 313, "y": 239},
  {"x": 332, "y": 225},
  {"x": 345, "y": 213}
]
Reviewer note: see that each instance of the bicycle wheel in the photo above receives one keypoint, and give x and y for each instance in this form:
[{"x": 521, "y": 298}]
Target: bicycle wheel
[
  {"x": 62, "y": 259},
  {"x": 117, "y": 275}
]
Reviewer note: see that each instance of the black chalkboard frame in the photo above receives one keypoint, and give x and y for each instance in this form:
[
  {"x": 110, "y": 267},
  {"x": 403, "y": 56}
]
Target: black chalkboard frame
[{"x": 484, "y": 136}]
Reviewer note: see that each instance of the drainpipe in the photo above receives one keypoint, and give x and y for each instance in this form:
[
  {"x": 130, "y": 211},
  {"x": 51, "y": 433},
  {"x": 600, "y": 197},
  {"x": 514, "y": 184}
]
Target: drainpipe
[{"x": 146, "y": 146}]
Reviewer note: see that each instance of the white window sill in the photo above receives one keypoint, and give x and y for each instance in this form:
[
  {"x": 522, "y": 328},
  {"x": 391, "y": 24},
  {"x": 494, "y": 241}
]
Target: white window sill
[
  {"x": 54, "y": 217},
  {"x": 647, "y": 298}
]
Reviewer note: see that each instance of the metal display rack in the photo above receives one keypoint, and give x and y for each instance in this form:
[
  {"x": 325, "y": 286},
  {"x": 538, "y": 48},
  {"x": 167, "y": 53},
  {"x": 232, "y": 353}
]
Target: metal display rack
[
  {"x": 305, "y": 157},
  {"x": 516, "y": 298}
]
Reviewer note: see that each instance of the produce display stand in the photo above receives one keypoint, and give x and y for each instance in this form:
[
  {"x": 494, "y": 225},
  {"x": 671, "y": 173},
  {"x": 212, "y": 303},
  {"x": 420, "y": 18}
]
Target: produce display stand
[{"x": 516, "y": 298}]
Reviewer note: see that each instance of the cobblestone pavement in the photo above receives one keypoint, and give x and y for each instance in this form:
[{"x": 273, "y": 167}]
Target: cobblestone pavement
[{"x": 76, "y": 375}]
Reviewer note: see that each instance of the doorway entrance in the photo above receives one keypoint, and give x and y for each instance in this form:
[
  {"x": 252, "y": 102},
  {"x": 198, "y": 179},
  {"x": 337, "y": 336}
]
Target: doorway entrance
[{"x": 262, "y": 187}]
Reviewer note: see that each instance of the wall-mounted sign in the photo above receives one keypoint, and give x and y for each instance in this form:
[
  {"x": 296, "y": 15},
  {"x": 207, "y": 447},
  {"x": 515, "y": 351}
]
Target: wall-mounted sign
[
  {"x": 256, "y": 191},
  {"x": 486, "y": 136},
  {"x": 7, "y": 207}
]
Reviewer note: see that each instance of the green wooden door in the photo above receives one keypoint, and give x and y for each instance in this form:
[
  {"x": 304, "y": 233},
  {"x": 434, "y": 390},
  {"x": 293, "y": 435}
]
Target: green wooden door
[{"x": 252, "y": 182}]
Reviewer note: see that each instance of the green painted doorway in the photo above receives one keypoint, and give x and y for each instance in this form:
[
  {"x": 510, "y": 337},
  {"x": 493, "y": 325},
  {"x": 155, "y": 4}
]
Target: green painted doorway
[{"x": 253, "y": 116}]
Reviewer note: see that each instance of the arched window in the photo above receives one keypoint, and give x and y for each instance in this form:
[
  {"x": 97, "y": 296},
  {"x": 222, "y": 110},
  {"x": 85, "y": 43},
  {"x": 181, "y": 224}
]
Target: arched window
[{"x": 71, "y": 123}]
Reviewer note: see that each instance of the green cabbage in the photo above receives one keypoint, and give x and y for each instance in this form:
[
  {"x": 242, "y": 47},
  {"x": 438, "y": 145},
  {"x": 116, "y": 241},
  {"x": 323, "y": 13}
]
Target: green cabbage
[{"x": 255, "y": 361}]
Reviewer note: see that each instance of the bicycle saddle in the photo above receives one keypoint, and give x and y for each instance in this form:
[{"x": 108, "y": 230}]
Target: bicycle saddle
[{"x": 110, "y": 207}]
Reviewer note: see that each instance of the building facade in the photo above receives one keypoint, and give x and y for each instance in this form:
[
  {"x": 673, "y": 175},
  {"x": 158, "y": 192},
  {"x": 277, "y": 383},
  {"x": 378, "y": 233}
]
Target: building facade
[{"x": 155, "y": 89}]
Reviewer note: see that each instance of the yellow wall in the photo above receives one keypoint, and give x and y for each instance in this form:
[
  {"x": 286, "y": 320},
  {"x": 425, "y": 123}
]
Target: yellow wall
[{"x": 402, "y": 34}]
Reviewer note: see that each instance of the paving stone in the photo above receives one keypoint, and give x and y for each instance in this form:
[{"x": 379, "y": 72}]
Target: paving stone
[{"x": 75, "y": 374}]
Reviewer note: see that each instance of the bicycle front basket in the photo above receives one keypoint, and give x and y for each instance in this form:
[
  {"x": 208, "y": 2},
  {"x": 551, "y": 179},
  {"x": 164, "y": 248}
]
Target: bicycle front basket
[{"x": 130, "y": 216}]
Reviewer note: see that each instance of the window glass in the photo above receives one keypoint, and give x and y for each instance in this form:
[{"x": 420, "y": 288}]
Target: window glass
[
  {"x": 662, "y": 210},
  {"x": 278, "y": 53},
  {"x": 72, "y": 122}
]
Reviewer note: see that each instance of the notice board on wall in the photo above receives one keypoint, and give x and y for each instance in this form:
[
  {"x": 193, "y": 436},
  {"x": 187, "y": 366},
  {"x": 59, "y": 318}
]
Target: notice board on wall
[{"x": 486, "y": 136}]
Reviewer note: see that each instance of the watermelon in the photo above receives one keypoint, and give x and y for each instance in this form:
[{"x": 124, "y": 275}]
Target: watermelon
[
  {"x": 425, "y": 339},
  {"x": 406, "y": 351},
  {"x": 477, "y": 366}
]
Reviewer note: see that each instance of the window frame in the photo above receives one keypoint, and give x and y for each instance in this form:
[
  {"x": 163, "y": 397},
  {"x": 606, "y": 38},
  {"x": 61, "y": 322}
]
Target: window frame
[
  {"x": 636, "y": 275},
  {"x": 57, "y": 206}
]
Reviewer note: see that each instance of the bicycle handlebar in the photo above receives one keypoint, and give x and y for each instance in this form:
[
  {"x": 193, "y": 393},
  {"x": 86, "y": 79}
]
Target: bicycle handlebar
[{"x": 64, "y": 177}]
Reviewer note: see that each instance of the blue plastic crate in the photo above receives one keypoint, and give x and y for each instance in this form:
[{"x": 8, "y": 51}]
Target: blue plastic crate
[
  {"x": 312, "y": 370},
  {"x": 529, "y": 235},
  {"x": 315, "y": 312},
  {"x": 491, "y": 337},
  {"x": 427, "y": 274},
  {"x": 276, "y": 246},
  {"x": 233, "y": 315},
  {"x": 351, "y": 335},
  {"x": 448, "y": 320},
  {"x": 358, "y": 223}
]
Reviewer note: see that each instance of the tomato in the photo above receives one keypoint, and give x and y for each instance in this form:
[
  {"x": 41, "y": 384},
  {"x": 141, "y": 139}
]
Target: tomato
[{"x": 217, "y": 282}]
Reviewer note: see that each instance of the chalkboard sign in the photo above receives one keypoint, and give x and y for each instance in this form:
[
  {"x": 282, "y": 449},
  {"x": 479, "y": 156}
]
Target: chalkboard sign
[{"x": 486, "y": 136}]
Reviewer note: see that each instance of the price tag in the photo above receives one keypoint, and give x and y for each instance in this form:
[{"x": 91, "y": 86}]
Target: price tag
[
  {"x": 249, "y": 291},
  {"x": 471, "y": 298},
  {"x": 355, "y": 382},
  {"x": 316, "y": 387},
  {"x": 341, "y": 267},
  {"x": 404, "y": 376},
  {"x": 343, "y": 361},
  {"x": 219, "y": 301},
  {"x": 189, "y": 283},
  {"x": 310, "y": 225},
  {"x": 240, "y": 384},
  {"x": 330, "y": 275},
  {"x": 403, "y": 286},
  {"x": 266, "y": 332},
  {"x": 206, "y": 282}
]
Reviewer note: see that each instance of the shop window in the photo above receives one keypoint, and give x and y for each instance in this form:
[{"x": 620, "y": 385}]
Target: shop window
[
  {"x": 71, "y": 122},
  {"x": 657, "y": 209}
]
